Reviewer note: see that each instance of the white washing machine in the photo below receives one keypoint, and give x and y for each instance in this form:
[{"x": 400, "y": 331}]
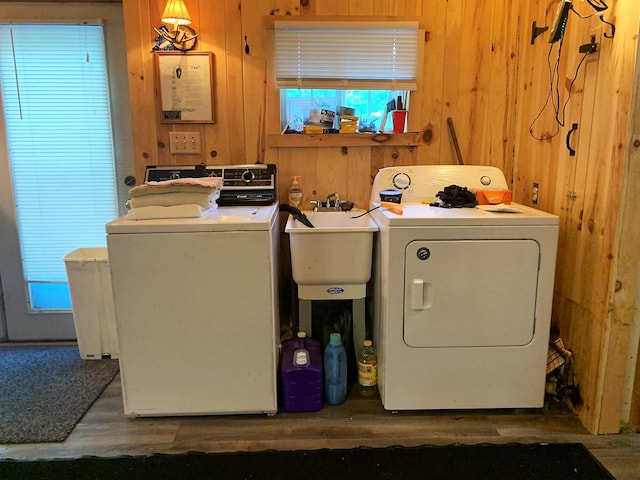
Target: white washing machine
[
  {"x": 462, "y": 296},
  {"x": 196, "y": 308}
]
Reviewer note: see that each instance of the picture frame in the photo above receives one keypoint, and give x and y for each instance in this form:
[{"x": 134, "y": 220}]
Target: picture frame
[{"x": 185, "y": 87}]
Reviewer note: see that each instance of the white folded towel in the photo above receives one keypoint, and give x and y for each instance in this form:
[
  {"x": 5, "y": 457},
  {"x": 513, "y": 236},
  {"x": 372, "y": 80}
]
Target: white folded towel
[
  {"x": 212, "y": 182},
  {"x": 176, "y": 211},
  {"x": 204, "y": 199},
  {"x": 179, "y": 185}
]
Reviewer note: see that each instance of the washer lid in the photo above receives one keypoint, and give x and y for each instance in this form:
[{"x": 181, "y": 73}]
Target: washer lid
[
  {"x": 214, "y": 220},
  {"x": 482, "y": 215}
]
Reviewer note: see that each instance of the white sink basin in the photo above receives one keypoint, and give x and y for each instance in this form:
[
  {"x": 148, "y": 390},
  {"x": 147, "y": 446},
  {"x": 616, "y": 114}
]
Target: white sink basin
[
  {"x": 335, "y": 256},
  {"x": 333, "y": 222}
]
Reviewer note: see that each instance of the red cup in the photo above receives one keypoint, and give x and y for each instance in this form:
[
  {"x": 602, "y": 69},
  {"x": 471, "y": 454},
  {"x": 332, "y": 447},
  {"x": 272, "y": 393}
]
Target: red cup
[{"x": 398, "y": 117}]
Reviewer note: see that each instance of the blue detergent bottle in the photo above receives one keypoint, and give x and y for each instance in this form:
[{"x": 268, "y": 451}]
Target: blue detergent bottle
[{"x": 335, "y": 371}]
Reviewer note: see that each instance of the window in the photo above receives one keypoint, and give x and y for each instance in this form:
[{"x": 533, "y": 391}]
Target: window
[
  {"x": 370, "y": 106},
  {"x": 58, "y": 121},
  {"x": 360, "y": 65}
]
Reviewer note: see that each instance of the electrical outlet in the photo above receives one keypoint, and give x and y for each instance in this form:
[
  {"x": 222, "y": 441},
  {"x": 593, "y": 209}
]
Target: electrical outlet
[{"x": 184, "y": 143}]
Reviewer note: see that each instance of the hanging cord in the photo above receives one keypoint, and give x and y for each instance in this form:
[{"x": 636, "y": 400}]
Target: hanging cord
[
  {"x": 583, "y": 17},
  {"x": 15, "y": 72},
  {"x": 573, "y": 80},
  {"x": 601, "y": 6},
  {"x": 553, "y": 73},
  {"x": 554, "y": 93},
  {"x": 598, "y": 5}
]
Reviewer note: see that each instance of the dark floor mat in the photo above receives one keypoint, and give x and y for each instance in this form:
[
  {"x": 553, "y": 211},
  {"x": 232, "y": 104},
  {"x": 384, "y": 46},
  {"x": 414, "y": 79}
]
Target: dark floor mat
[
  {"x": 486, "y": 462},
  {"x": 45, "y": 391}
]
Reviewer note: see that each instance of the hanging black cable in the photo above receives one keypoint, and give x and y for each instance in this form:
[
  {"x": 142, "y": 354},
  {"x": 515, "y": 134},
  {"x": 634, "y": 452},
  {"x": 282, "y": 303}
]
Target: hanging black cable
[
  {"x": 601, "y": 6},
  {"x": 554, "y": 94},
  {"x": 573, "y": 80},
  {"x": 598, "y": 5},
  {"x": 554, "y": 87},
  {"x": 553, "y": 73}
]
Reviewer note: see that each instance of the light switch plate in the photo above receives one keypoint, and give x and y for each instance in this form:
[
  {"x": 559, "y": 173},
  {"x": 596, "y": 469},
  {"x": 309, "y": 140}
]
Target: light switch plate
[{"x": 184, "y": 143}]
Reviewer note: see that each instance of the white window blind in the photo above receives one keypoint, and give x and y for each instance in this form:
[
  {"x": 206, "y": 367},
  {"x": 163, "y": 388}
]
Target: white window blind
[
  {"x": 56, "y": 104},
  {"x": 354, "y": 55}
]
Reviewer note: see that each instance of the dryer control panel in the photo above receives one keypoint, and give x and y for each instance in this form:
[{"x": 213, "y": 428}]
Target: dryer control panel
[{"x": 421, "y": 183}]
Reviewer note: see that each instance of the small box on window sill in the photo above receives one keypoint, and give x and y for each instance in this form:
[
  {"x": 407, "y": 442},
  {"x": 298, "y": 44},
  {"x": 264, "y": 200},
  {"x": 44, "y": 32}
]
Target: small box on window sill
[
  {"x": 493, "y": 197},
  {"x": 348, "y": 124},
  {"x": 313, "y": 129}
]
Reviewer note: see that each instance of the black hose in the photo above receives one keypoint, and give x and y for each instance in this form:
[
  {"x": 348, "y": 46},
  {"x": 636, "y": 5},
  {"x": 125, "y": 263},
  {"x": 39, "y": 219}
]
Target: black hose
[{"x": 297, "y": 214}]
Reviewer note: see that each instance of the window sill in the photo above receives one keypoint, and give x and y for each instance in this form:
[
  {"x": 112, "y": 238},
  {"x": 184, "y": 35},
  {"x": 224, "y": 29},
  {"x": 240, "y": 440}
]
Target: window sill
[{"x": 410, "y": 139}]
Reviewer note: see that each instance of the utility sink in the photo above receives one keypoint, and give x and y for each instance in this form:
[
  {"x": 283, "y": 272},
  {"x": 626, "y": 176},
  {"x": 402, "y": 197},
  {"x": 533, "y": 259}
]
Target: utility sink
[{"x": 332, "y": 260}]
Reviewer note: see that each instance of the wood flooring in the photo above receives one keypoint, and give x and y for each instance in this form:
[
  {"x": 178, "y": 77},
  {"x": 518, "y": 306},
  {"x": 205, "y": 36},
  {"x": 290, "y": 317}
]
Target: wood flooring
[{"x": 360, "y": 421}]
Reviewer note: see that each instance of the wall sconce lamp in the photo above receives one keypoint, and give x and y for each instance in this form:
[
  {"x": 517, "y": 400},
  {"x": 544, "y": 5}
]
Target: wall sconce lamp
[{"x": 181, "y": 36}]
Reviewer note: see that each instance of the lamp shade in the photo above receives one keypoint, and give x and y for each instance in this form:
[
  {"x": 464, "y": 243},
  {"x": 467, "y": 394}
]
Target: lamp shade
[{"x": 175, "y": 13}]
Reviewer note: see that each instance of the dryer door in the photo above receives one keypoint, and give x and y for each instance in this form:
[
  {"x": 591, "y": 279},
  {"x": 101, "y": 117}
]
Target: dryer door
[{"x": 470, "y": 293}]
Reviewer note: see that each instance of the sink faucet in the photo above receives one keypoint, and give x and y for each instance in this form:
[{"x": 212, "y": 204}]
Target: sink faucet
[
  {"x": 331, "y": 205},
  {"x": 336, "y": 200}
]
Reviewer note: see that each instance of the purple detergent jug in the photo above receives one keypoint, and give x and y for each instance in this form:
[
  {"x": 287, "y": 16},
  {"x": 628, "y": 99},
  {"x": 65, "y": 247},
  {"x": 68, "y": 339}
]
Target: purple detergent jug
[{"x": 301, "y": 374}]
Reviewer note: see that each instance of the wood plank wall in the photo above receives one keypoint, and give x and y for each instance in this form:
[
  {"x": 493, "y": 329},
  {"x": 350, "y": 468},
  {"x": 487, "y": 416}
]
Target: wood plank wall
[
  {"x": 627, "y": 307},
  {"x": 469, "y": 75},
  {"x": 585, "y": 190},
  {"x": 480, "y": 70}
]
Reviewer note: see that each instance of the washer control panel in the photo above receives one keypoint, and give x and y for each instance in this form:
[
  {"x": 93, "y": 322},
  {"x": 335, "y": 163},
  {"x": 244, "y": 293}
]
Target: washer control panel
[{"x": 244, "y": 184}]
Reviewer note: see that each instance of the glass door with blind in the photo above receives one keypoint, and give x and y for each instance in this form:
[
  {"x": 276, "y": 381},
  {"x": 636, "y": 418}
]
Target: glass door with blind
[{"x": 58, "y": 180}]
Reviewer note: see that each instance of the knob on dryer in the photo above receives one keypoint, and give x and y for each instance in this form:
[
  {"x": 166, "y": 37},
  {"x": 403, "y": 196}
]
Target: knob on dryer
[{"x": 401, "y": 181}]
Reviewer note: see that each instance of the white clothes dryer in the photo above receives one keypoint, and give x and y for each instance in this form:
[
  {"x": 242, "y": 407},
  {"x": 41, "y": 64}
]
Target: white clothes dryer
[{"x": 462, "y": 296}]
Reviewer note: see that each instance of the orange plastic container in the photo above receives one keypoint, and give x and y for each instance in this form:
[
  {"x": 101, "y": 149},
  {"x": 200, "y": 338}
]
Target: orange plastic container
[{"x": 493, "y": 197}]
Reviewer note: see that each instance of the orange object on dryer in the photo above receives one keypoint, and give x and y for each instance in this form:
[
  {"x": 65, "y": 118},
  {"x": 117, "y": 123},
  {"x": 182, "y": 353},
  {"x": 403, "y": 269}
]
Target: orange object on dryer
[
  {"x": 394, "y": 207},
  {"x": 493, "y": 197}
]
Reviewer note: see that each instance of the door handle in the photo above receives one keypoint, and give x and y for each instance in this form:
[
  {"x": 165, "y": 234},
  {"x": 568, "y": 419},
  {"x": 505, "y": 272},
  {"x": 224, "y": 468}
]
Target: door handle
[
  {"x": 417, "y": 294},
  {"x": 572, "y": 152},
  {"x": 420, "y": 294}
]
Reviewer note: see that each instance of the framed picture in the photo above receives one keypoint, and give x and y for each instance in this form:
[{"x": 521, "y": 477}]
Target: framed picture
[{"x": 185, "y": 87}]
